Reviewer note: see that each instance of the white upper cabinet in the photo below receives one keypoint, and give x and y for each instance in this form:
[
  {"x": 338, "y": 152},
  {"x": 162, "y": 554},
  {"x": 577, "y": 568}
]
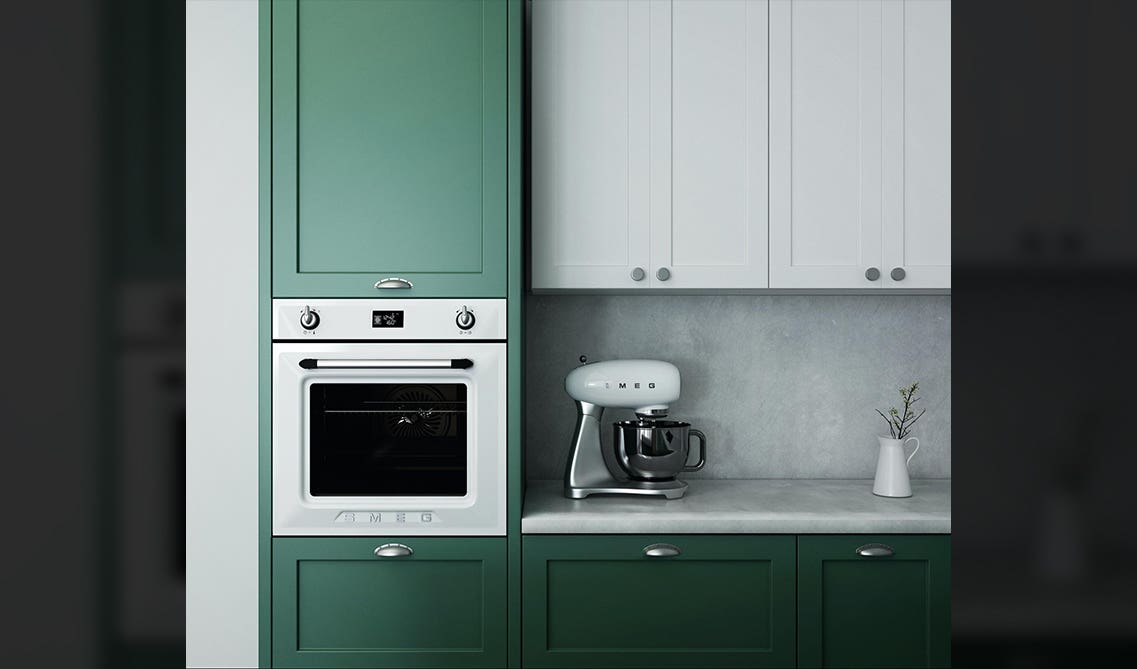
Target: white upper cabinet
[
  {"x": 740, "y": 144},
  {"x": 860, "y": 144},
  {"x": 589, "y": 146},
  {"x": 649, "y": 144},
  {"x": 825, "y": 143},
  {"x": 917, "y": 196},
  {"x": 709, "y": 156}
]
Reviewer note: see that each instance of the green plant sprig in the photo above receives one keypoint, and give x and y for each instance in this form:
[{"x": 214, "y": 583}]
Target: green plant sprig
[{"x": 900, "y": 423}]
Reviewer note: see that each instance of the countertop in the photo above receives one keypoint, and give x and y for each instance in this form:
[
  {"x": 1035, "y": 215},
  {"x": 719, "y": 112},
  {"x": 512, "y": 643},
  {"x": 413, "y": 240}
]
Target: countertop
[{"x": 737, "y": 506}]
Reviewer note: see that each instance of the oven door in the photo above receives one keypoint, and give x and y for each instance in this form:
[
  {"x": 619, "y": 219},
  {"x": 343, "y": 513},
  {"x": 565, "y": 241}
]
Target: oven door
[{"x": 388, "y": 438}]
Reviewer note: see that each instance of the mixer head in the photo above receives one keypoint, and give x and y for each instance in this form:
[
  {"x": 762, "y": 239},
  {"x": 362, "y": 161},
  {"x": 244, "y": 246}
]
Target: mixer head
[{"x": 647, "y": 387}]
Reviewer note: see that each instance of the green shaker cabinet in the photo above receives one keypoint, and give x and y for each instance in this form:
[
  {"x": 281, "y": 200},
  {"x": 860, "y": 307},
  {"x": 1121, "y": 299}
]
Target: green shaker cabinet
[
  {"x": 389, "y": 147},
  {"x": 891, "y": 609},
  {"x": 338, "y": 604},
  {"x": 606, "y": 601}
]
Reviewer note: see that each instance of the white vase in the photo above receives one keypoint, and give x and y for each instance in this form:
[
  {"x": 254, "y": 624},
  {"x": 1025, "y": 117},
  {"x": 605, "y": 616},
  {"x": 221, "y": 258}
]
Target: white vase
[{"x": 892, "y": 468}]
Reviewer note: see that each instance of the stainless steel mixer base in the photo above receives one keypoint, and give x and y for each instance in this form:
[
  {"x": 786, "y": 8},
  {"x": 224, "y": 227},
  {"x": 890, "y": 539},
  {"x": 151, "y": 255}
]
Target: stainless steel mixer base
[
  {"x": 668, "y": 489},
  {"x": 587, "y": 474}
]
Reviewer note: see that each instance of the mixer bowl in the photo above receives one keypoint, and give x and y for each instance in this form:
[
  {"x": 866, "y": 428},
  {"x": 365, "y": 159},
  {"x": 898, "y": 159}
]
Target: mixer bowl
[{"x": 656, "y": 450}]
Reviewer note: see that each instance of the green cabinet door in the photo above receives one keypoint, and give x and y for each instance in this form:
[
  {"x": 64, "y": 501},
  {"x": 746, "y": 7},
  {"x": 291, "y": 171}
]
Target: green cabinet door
[
  {"x": 336, "y": 604},
  {"x": 882, "y": 611},
  {"x": 600, "y": 601},
  {"x": 389, "y": 145}
]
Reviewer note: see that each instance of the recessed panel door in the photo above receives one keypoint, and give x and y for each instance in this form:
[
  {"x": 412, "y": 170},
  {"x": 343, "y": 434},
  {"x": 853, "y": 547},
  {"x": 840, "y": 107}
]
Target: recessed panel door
[
  {"x": 658, "y": 601},
  {"x": 709, "y": 144},
  {"x": 590, "y": 148},
  {"x": 389, "y": 147},
  {"x": 888, "y": 607},
  {"x": 917, "y": 149},
  {"x": 425, "y": 603},
  {"x": 825, "y": 143}
]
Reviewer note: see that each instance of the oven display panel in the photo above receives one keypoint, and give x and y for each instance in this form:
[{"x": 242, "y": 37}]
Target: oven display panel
[{"x": 386, "y": 319}]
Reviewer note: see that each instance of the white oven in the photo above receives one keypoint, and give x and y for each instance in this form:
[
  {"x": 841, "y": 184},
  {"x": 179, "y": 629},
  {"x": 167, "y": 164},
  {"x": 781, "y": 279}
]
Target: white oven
[{"x": 388, "y": 417}]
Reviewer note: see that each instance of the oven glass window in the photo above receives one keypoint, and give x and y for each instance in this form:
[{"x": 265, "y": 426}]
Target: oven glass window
[{"x": 388, "y": 439}]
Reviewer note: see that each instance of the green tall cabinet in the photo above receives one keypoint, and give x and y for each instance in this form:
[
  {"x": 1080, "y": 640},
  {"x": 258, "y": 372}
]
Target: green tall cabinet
[{"x": 389, "y": 147}]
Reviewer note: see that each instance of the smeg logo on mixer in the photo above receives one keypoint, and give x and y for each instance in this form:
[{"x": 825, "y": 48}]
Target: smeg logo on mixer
[{"x": 623, "y": 385}]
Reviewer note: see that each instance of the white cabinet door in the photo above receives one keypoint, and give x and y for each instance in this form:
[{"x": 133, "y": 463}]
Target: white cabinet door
[
  {"x": 589, "y": 143},
  {"x": 741, "y": 144},
  {"x": 860, "y": 144},
  {"x": 917, "y": 154},
  {"x": 825, "y": 143},
  {"x": 709, "y": 155}
]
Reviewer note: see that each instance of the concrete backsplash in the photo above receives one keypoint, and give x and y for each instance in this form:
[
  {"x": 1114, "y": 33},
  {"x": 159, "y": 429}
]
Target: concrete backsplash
[{"x": 784, "y": 386}]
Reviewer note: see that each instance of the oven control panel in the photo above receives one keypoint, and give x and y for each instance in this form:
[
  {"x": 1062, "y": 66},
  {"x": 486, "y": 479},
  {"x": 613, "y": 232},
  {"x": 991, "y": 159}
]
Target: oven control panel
[
  {"x": 388, "y": 320},
  {"x": 387, "y": 518}
]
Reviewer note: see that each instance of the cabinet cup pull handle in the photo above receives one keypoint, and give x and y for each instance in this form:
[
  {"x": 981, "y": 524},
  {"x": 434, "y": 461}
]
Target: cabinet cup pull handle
[
  {"x": 875, "y": 550},
  {"x": 872, "y": 274},
  {"x": 394, "y": 550},
  {"x": 661, "y": 550},
  {"x": 393, "y": 282}
]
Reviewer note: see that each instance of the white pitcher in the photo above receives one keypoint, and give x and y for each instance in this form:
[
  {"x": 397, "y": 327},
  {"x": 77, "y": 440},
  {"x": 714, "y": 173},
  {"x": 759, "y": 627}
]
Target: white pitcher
[{"x": 892, "y": 468}]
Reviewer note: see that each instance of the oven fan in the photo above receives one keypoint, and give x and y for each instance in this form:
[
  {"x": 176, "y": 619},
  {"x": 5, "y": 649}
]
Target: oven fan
[{"x": 420, "y": 418}]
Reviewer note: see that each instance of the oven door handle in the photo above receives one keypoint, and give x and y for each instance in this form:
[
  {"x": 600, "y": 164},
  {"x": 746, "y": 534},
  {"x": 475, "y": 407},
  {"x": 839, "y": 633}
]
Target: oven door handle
[{"x": 453, "y": 363}]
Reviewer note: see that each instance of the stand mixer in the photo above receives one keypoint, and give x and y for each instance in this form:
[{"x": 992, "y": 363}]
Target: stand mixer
[{"x": 648, "y": 452}]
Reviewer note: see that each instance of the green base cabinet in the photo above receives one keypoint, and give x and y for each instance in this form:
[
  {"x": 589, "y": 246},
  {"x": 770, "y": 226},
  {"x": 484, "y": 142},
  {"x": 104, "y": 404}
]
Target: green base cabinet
[
  {"x": 600, "y": 601},
  {"x": 336, "y": 604},
  {"x": 389, "y": 147},
  {"x": 883, "y": 611}
]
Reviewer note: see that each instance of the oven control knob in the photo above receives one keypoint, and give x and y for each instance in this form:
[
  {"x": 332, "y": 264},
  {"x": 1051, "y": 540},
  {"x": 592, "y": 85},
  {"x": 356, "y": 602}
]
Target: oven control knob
[
  {"x": 465, "y": 319},
  {"x": 309, "y": 319}
]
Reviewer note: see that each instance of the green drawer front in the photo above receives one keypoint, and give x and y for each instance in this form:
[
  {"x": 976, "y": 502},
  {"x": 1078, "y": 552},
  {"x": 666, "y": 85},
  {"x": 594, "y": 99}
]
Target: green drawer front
[
  {"x": 856, "y": 611},
  {"x": 389, "y": 147},
  {"x": 598, "y": 601},
  {"x": 335, "y": 604}
]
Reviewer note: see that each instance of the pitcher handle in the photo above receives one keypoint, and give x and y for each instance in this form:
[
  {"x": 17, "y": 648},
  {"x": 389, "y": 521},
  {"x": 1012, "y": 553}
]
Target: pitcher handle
[
  {"x": 702, "y": 451},
  {"x": 913, "y": 450}
]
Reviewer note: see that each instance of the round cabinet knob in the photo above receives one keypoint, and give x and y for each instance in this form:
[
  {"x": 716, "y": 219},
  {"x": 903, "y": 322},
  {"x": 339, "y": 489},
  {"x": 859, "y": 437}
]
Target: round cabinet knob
[
  {"x": 872, "y": 274},
  {"x": 465, "y": 319},
  {"x": 309, "y": 319},
  {"x": 663, "y": 274},
  {"x": 638, "y": 274},
  {"x": 898, "y": 274}
]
